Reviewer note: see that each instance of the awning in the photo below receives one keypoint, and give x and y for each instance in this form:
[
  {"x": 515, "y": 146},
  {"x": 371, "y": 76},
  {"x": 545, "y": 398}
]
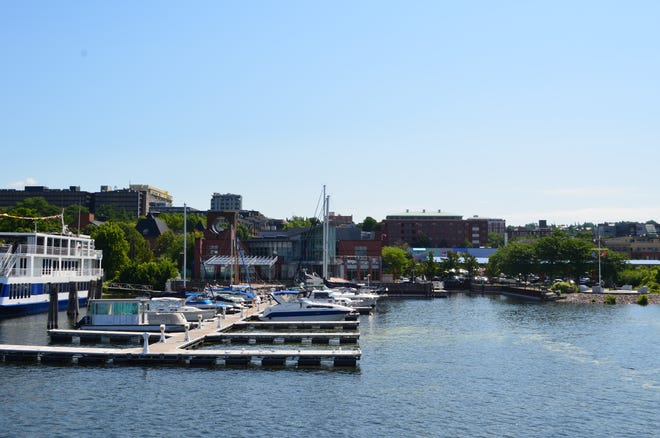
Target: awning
[{"x": 225, "y": 260}]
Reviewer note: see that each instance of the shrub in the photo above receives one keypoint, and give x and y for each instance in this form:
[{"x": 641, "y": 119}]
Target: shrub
[
  {"x": 564, "y": 287},
  {"x": 610, "y": 299},
  {"x": 643, "y": 300}
]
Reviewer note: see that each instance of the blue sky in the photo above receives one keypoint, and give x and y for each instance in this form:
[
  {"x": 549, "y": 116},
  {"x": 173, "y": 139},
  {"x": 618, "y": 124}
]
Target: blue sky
[{"x": 511, "y": 109}]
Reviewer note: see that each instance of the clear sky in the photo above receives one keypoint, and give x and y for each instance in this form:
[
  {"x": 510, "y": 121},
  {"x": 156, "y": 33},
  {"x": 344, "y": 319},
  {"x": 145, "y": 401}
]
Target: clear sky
[{"x": 521, "y": 110}]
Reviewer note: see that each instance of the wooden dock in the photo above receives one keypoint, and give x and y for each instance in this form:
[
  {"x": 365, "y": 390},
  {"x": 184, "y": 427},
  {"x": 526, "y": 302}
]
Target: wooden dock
[{"x": 180, "y": 349}]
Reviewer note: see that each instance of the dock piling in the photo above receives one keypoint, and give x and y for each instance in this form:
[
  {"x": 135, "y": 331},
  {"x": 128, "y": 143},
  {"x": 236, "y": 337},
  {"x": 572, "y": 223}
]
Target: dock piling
[{"x": 145, "y": 348}]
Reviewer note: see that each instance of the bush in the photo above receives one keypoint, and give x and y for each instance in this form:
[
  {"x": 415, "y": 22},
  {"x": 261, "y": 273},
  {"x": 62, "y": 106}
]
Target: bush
[
  {"x": 643, "y": 300},
  {"x": 564, "y": 287},
  {"x": 610, "y": 299}
]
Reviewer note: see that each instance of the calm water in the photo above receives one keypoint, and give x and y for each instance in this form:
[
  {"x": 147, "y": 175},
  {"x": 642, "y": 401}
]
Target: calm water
[{"x": 462, "y": 366}]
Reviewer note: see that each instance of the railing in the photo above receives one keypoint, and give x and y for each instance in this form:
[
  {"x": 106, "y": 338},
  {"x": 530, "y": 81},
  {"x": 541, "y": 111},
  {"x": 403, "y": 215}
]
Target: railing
[
  {"x": 5, "y": 261},
  {"x": 54, "y": 273},
  {"x": 56, "y": 251}
]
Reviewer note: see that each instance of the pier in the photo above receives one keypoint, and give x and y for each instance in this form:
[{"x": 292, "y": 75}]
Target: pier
[{"x": 182, "y": 348}]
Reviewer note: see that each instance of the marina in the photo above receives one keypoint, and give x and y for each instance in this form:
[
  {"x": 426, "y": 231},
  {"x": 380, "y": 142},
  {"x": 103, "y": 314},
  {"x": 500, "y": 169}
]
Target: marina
[{"x": 182, "y": 348}]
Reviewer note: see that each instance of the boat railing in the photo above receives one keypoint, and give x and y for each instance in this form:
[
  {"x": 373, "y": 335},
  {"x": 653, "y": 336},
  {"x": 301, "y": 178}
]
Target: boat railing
[
  {"x": 26, "y": 248},
  {"x": 6, "y": 259},
  {"x": 53, "y": 273}
]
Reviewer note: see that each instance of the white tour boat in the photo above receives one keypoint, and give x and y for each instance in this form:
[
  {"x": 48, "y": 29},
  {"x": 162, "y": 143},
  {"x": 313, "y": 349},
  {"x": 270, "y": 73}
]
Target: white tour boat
[{"x": 35, "y": 265}]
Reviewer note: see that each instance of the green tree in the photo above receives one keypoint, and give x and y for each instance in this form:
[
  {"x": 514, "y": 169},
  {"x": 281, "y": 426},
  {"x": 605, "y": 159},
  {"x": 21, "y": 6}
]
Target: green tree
[
  {"x": 413, "y": 268},
  {"x": 451, "y": 264},
  {"x": 370, "y": 224},
  {"x": 548, "y": 249},
  {"x": 633, "y": 276},
  {"x": 174, "y": 221},
  {"x": 154, "y": 273},
  {"x": 611, "y": 265},
  {"x": 243, "y": 233},
  {"x": 169, "y": 245},
  {"x": 429, "y": 266},
  {"x": 470, "y": 264},
  {"x": 514, "y": 259},
  {"x": 495, "y": 240},
  {"x": 110, "y": 238},
  {"x": 301, "y": 222},
  {"x": 578, "y": 255},
  {"x": 396, "y": 260},
  {"x": 110, "y": 212},
  {"x": 139, "y": 250},
  {"x": 36, "y": 207},
  {"x": 72, "y": 215}
]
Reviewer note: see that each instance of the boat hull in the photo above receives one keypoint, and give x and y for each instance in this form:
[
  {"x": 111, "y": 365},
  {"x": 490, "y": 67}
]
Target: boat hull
[
  {"x": 37, "y": 304},
  {"x": 304, "y": 316}
]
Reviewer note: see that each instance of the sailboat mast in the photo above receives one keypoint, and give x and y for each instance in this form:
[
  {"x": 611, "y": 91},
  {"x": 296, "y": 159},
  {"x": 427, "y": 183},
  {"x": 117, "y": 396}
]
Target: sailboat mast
[
  {"x": 185, "y": 235},
  {"x": 599, "y": 256},
  {"x": 326, "y": 202}
]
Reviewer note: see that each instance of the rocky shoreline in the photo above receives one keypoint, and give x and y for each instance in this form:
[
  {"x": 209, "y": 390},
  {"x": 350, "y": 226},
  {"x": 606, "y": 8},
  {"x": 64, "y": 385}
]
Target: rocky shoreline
[{"x": 621, "y": 298}]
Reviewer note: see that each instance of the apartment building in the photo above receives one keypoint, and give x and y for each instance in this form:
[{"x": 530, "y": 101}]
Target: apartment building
[{"x": 437, "y": 229}]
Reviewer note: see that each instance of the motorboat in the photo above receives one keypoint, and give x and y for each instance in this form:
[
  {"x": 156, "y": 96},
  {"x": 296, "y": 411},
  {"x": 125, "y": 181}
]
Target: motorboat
[
  {"x": 326, "y": 295},
  {"x": 359, "y": 296},
  {"x": 290, "y": 306},
  {"x": 246, "y": 293},
  {"x": 171, "y": 304},
  {"x": 130, "y": 314},
  {"x": 205, "y": 302}
]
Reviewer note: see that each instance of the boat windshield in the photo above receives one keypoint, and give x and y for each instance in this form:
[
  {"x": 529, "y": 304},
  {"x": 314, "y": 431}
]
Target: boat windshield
[{"x": 286, "y": 296}]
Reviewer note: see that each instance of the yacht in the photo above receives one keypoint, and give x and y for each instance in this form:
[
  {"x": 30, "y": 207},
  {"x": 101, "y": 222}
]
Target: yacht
[{"x": 290, "y": 306}]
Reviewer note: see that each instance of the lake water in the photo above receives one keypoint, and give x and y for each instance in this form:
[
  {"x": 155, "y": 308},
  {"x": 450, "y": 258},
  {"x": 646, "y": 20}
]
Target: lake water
[{"x": 465, "y": 366}]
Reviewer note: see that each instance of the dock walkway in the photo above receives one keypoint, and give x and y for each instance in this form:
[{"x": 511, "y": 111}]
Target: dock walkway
[{"x": 180, "y": 349}]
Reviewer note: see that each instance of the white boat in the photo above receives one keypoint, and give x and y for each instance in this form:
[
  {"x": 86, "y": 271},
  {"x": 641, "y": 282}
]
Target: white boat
[
  {"x": 131, "y": 314},
  {"x": 291, "y": 307},
  {"x": 171, "y": 304},
  {"x": 35, "y": 265},
  {"x": 360, "y": 297},
  {"x": 330, "y": 296}
]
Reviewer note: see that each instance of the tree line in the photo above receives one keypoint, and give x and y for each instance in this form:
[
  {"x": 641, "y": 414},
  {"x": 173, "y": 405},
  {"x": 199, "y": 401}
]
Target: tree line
[{"x": 558, "y": 256}]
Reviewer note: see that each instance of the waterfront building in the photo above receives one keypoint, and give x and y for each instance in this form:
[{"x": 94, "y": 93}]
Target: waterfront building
[
  {"x": 59, "y": 197},
  {"x": 359, "y": 254},
  {"x": 624, "y": 229},
  {"x": 135, "y": 201},
  {"x": 437, "y": 229},
  {"x": 226, "y": 202},
  {"x": 635, "y": 247},
  {"x": 152, "y": 197}
]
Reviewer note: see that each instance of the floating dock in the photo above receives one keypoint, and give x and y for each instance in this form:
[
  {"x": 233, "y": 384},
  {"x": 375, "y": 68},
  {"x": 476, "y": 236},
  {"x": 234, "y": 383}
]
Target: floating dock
[
  {"x": 180, "y": 349},
  {"x": 284, "y": 338},
  {"x": 295, "y": 325},
  {"x": 114, "y": 356}
]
